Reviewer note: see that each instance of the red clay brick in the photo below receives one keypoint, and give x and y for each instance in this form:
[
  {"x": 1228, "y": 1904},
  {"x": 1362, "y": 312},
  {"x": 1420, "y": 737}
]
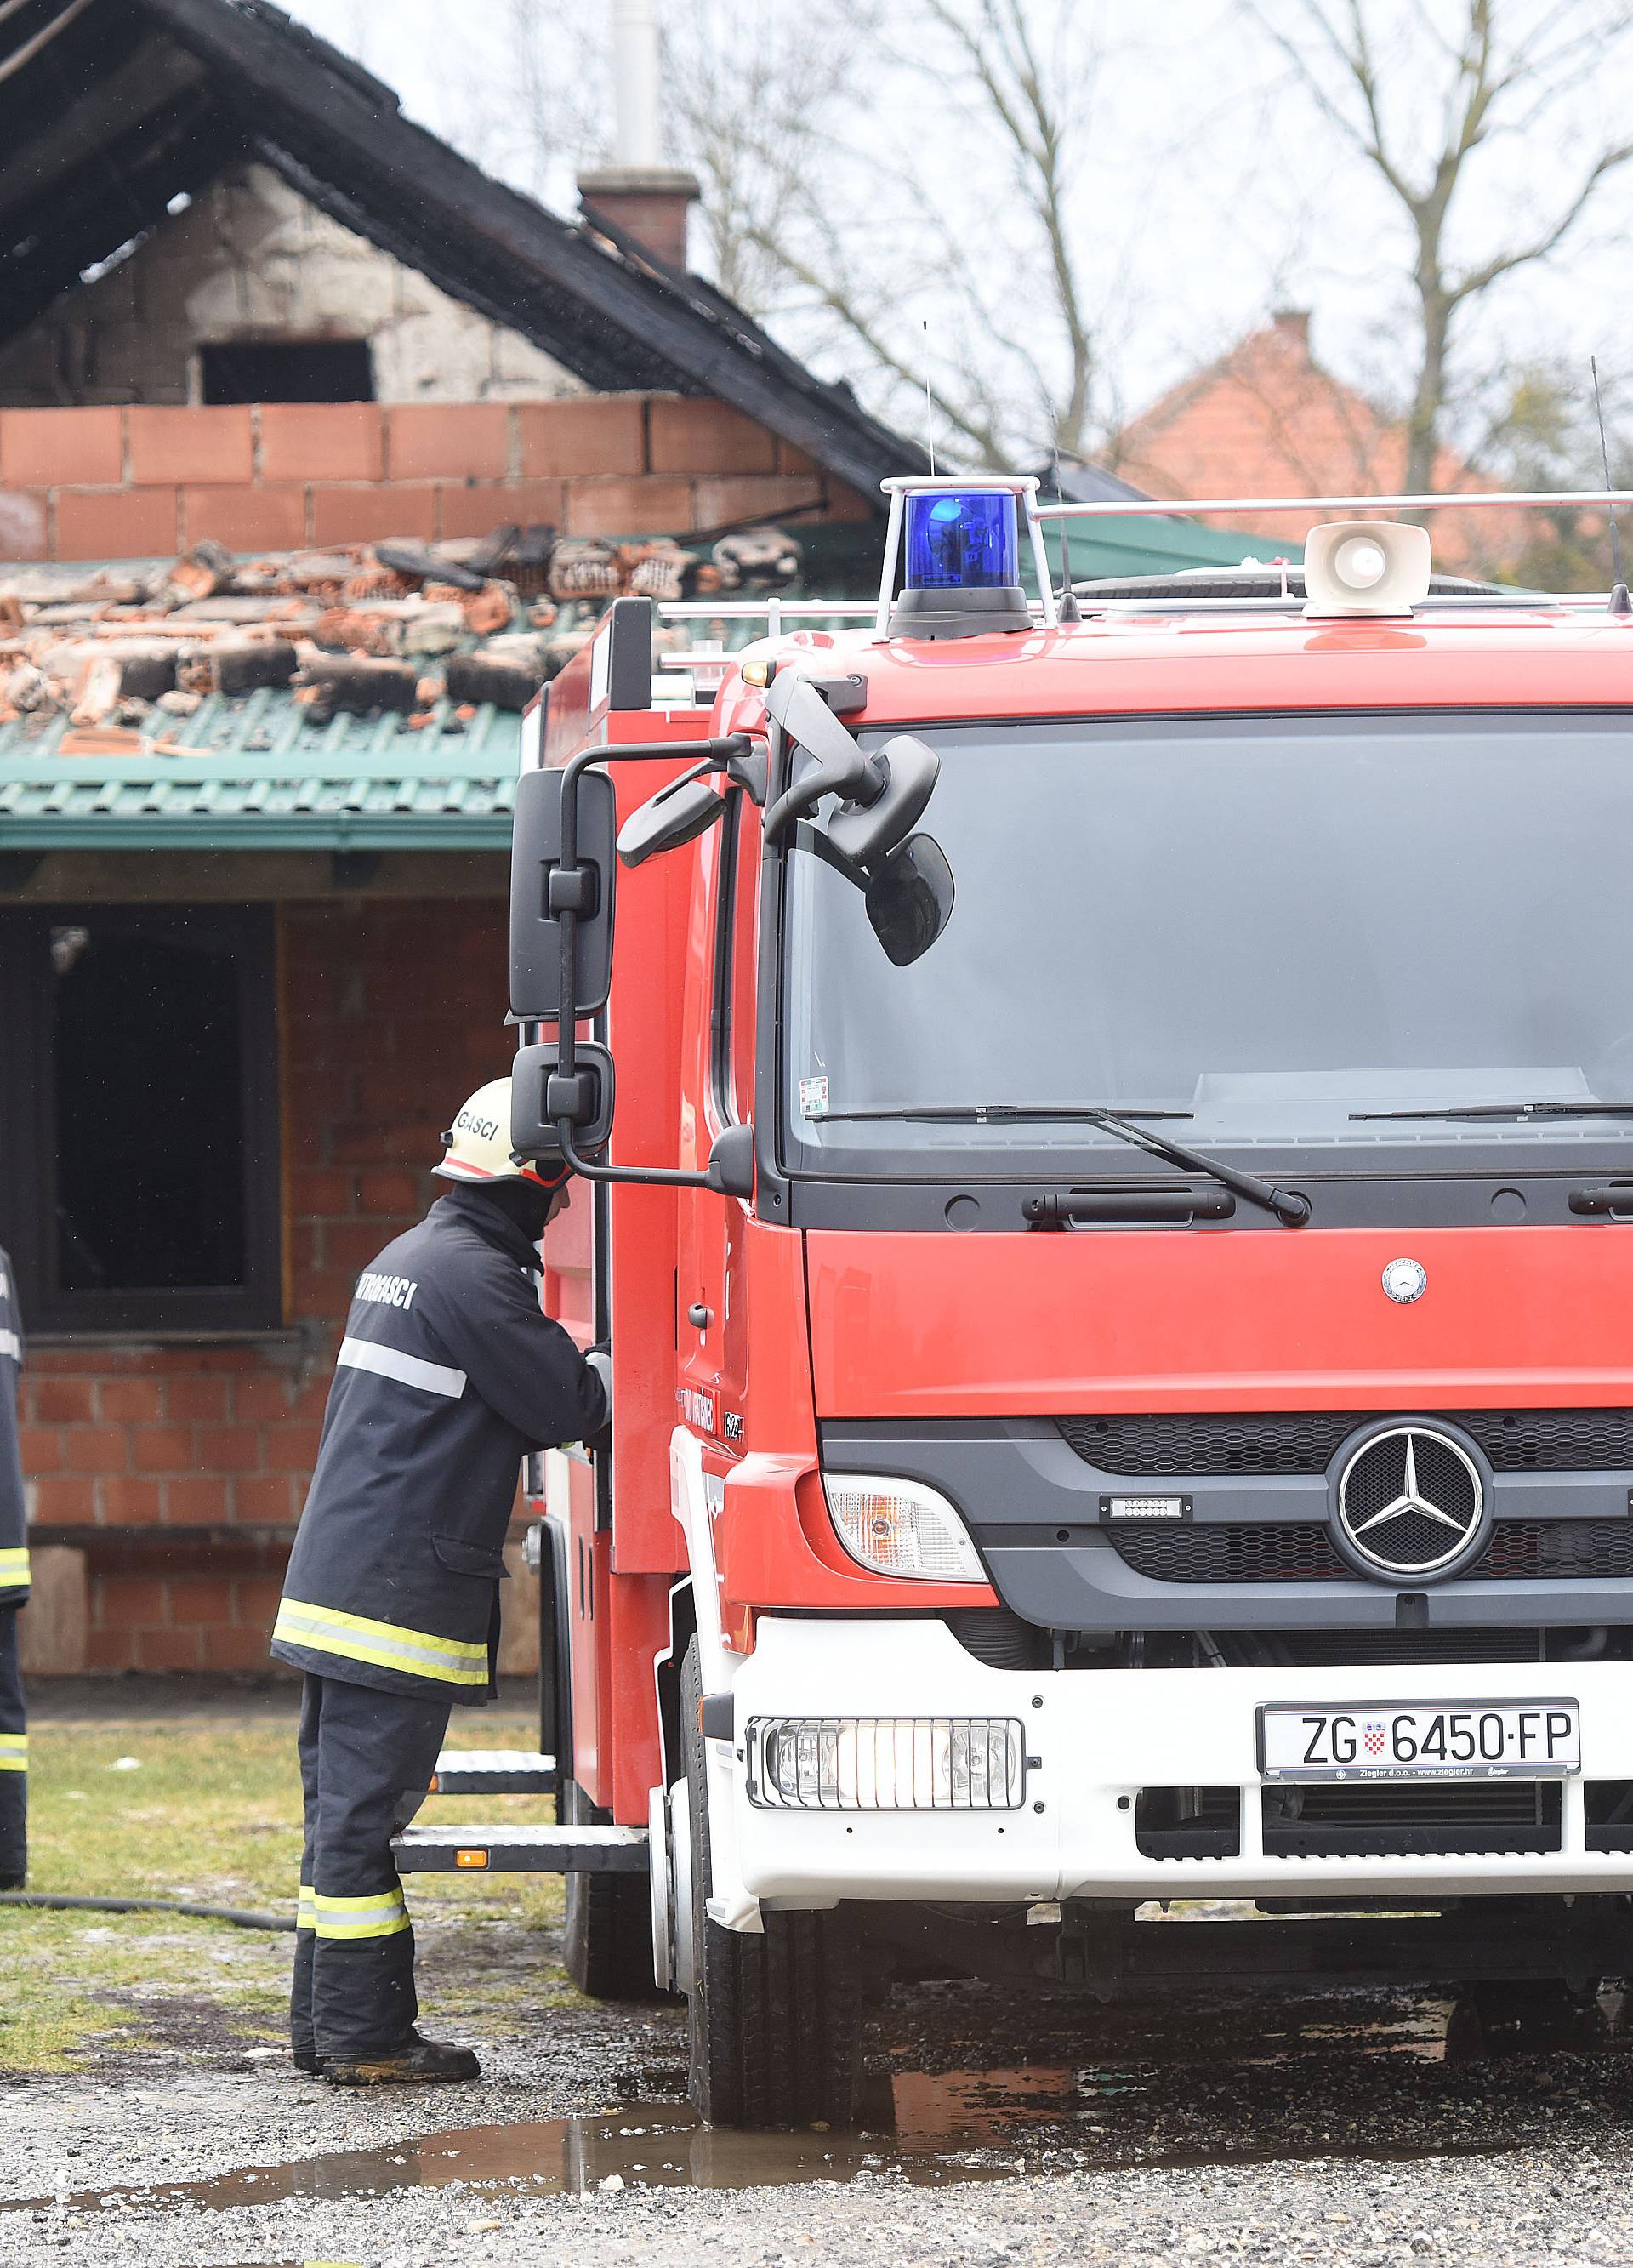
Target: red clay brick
[
  {"x": 793, "y": 460},
  {"x": 24, "y": 524},
  {"x": 350, "y": 1244},
  {"x": 61, "y": 1401},
  {"x": 467, "y": 440},
  {"x": 292, "y": 1449},
  {"x": 127, "y": 1599},
  {"x": 126, "y": 1500},
  {"x": 52, "y": 448},
  {"x": 264, "y": 1500},
  {"x": 197, "y": 1499},
  {"x": 589, "y": 434},
  {"x": 323, "y": 1191},
  {"x": 230, "y": 1646},
  {"x": 196, "y": 1397},
  {"x": 41, "y": 1447},
  {"x": 227, "y": 1449},
  {"x": 196, "y": 1599},
  {"x": 363, "y": 515},
  {"x": 126, "y": 1400},
  {"x": 687, "y": 435},
  {"x": 848, "y": 504},
  {"x": 196, "y": 444},
  {"x": 477, "y": 507},
  {"x": 268, "y": 1396},
  {"x": 389, "y": 1190},
  {"x": 321, "y": 441},
  {"x": 116, "y": 523},
  {"x": 645, "y": 507},
  {"x": 169, "y": 1649},
  {"x": 752, "y": 496},
  {"x": 255, "y": 1597},
  {"x": 272, "y": 518},
  {"x": 61, "y": 1502},
  {"x": 111, "y": 1649},
  {"x": 162, "y": 1448},
  {"x": 96, "y": 1449}
]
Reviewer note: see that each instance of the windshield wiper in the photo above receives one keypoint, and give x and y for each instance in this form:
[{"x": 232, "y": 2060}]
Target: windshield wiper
[
  {"x": 1286, "y": 1204},
  {"x": 1584, "y": 1108}
]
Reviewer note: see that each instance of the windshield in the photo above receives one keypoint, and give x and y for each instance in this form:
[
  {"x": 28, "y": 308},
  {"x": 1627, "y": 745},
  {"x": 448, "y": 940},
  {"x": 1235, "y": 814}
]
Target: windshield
[{"x": 1277, "y": 928}]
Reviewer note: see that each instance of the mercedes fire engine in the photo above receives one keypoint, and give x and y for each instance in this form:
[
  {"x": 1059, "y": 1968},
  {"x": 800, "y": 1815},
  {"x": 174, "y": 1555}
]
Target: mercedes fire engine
[{"x": 1106, "y": 1128}]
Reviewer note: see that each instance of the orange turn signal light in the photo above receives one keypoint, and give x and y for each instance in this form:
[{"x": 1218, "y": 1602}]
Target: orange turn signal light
[{"x": 470, "y": 1858}]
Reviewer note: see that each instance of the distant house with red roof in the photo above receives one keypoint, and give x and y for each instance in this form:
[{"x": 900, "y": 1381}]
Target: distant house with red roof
[{"x": 1267, "y": 420}]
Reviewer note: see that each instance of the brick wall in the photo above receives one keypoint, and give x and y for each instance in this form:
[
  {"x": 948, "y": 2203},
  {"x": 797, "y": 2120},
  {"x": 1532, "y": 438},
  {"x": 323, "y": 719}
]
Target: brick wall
[
  {"x": 179, "y": 1471},
  {"x": 143, "y": 481}
]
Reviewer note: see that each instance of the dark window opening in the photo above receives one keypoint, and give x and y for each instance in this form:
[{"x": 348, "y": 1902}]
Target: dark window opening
[
  {"x": 138, "y": 1110},
  {"x": 288, "y": 369}
]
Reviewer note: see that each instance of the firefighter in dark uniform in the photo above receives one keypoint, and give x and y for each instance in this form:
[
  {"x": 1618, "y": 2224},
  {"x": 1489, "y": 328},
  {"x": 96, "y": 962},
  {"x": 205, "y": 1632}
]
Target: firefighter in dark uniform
[
  {"x": 13, "y": 1593},
  {"x": 449, "y": 1373}
]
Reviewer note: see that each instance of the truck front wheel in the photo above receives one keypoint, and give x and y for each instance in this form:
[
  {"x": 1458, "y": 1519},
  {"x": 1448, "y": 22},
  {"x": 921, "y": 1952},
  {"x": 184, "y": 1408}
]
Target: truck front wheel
[{"x": 775, "y": 2019}]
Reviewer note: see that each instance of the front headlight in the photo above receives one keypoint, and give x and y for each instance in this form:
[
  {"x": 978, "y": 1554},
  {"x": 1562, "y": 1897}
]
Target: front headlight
[
  {"x": 901, "y": 1527},
  {"x": 886, "y": 1764}
]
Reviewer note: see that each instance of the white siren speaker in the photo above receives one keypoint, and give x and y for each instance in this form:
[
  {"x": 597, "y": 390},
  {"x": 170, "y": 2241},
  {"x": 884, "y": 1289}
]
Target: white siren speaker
[{"x": 1365, "y": 567}]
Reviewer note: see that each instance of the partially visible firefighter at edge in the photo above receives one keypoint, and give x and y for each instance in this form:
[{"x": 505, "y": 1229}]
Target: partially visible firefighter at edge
[
  {"x": 448, "y": 1375},
  {"x": 13, "y": 1594}
]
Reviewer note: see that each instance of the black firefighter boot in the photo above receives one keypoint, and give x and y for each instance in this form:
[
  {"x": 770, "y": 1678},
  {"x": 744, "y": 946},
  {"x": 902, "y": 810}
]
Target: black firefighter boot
[{"x": 418, "y": 2061}]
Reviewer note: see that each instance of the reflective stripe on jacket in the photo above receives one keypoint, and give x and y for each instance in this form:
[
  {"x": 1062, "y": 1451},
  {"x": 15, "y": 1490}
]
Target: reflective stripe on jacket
[
  {"x": 448, "y": 1375},
  {"x": 13, "y": 1547}
]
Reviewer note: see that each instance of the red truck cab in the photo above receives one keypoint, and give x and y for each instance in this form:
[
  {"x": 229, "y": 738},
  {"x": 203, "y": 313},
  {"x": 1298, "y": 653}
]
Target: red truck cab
[{"x": 1111, "y": 1228}]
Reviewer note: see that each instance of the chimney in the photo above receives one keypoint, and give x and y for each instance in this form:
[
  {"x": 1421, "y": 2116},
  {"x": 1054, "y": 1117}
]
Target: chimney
[
  {"x": 1294, "y": 323},
  {"x": 637, "y": 193}
]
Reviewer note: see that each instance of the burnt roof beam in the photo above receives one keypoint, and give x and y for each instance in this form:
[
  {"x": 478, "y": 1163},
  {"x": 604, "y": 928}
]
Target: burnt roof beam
[{"x": 452, "y": 219}]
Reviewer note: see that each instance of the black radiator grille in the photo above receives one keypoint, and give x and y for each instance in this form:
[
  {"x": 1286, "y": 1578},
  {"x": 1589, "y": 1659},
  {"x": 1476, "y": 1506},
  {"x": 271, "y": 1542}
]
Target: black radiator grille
[
  {"x": 1305, "y": 1441},
  {"x": 1411, "y": 1819},
  {"x": 1301, "y": 1551}
]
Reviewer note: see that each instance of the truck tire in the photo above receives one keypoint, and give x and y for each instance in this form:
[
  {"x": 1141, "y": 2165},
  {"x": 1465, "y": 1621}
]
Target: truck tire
[
  {"x": 776, "y": 2020},
  {"x": 608, "y": 1931}
]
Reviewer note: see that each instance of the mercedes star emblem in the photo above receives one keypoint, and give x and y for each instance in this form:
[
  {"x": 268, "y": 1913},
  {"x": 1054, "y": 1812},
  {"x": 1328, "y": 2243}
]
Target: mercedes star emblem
[
  {"x": 1411, "y": 1503},
  {"x": 1404, "y": 1280}
]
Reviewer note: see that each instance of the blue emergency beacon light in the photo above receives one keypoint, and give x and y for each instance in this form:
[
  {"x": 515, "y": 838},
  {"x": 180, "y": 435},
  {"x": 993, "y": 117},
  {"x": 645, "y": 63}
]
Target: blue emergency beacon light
[{"x": 958, "y": 541}]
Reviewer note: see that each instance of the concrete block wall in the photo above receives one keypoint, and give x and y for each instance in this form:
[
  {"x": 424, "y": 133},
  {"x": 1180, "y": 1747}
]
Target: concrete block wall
[
  {"x": 251, "y": 260},
  {"x": 178, "y": 1472},
  {"x": 139, "y": 481}
]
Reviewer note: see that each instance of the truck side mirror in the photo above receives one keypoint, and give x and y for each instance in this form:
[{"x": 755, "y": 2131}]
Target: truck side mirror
[
  {"x": 542, "y": 1094},
  {"x": 678, "y": 813},
  {"x": 910, "y": 898},
  {"x": 542, "y": 891},
  {"x": 732, "y": 1161}
]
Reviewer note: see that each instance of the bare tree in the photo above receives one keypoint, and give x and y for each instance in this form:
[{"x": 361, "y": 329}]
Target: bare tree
[{"x": 1494, "y": 72}]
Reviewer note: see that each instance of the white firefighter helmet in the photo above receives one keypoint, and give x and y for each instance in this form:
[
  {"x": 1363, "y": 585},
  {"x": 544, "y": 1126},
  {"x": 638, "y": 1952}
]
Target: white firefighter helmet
[{"x": 477, "y": 1146}]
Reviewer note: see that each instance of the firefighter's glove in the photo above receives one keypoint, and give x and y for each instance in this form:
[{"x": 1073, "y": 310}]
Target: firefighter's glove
[{"x": 602, "y": 1363}]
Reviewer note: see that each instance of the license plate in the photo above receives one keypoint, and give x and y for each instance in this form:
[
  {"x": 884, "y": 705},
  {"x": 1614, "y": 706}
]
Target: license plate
[{"x": 1419, "y": 1739}]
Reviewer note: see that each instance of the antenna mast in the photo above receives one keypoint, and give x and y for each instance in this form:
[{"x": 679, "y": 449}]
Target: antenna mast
[
  {"x": 1620, "y": 602},
  {"x": 1067, "y": 610}
]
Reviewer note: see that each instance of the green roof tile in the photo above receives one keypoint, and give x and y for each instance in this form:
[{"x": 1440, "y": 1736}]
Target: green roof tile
[{"x": 272, "y": 780}]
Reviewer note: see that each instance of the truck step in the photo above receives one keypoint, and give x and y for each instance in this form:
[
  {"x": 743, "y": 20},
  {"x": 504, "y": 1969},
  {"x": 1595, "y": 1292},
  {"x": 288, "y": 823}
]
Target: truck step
[
  {"x": 521, "y": 1850},
  {"x": 493, "y": 1772}
]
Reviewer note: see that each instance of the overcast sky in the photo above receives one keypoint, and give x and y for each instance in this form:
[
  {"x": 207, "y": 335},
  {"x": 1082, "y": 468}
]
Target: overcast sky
[{"x": 1212, "y": 192}]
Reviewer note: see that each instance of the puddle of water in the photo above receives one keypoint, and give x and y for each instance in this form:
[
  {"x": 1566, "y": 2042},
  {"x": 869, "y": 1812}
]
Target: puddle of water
[{"x": 949, "y": 2127}]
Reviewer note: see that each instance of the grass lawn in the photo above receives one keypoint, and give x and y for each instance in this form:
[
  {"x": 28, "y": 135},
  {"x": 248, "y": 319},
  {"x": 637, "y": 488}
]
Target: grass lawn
[{"x": 211, "y": 1811}]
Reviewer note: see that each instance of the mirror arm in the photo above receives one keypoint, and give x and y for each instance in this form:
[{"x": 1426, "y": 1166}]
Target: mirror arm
[{"x": 734, "y": 747}]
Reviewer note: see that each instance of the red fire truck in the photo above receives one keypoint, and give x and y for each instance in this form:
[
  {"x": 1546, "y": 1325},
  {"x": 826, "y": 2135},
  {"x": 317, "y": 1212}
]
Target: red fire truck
[{"x": 1107, "y": 1129}]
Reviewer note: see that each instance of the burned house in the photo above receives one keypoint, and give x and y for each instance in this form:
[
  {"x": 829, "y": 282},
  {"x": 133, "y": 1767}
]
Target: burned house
[{"x": 319, "y": 450}]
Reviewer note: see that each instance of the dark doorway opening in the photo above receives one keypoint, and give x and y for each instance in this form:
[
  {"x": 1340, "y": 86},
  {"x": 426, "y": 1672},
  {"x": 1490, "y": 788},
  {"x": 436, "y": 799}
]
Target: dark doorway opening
[{"x": 288, "y": 369}]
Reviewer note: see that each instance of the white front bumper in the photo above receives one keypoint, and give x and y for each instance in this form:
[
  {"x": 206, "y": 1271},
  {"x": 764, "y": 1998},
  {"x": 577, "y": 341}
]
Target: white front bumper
[{"x": 1099, "y": 1737}]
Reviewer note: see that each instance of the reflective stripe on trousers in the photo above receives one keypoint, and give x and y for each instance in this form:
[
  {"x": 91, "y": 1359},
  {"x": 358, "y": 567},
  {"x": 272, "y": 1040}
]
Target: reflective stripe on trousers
[
  {"x": 13, "y": 1752},
  {"x": 380, "y": 1915},
  {"x": 387, "y": 1645},
  {"x": 14, "y": 1567}
]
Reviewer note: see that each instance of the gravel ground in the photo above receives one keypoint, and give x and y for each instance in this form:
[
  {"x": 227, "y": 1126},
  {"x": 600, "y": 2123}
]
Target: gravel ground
[{"x": 1333, "y": 2129}]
